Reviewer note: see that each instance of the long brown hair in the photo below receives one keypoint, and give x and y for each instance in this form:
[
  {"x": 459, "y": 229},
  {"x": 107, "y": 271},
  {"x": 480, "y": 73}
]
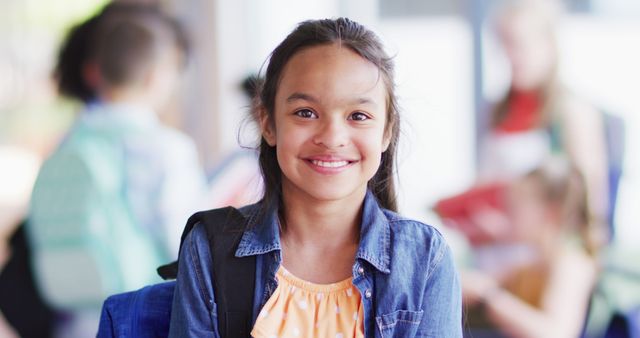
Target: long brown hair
[{"x": 365, "y": 43}]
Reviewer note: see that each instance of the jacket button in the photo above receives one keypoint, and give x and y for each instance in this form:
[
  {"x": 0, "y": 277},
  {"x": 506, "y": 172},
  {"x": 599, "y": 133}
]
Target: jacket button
[
  {"x": 361, "y": 270},
  {"x": 367, "y": 294}
]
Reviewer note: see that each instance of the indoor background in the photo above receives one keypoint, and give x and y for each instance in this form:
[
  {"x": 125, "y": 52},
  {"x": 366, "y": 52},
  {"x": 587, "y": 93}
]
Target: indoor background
[{"x": 449, "y": 70}]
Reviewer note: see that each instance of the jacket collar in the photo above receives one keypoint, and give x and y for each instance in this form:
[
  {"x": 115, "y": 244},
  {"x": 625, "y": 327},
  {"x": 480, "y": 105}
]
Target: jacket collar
[
  {"x": 375, "y": 235},
  {"x": 263, "y": 234}
]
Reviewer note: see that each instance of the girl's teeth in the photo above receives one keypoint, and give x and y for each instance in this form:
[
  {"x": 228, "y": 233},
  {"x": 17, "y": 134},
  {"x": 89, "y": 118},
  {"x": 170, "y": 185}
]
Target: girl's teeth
[{"x": 333, "y": 164}]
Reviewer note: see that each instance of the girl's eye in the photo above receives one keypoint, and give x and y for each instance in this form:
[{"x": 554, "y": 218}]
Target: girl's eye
[
  {"x": 358, "y": 116},
  {"x": 306, "y": 113}
]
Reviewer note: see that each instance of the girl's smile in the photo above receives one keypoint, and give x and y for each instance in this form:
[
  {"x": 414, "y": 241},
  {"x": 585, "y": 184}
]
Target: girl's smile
[{"x": 329, "y": 164}]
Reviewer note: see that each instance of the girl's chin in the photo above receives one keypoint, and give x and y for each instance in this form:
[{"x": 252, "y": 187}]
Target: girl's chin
[{"x": 331, "y": 192}]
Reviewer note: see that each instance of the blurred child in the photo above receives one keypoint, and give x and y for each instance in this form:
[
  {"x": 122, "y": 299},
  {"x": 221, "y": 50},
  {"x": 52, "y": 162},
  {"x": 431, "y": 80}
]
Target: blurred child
[
  {"x": 544, "y": 293},
  {"x": 539, "y": 116},
  {"x": 109, "y": 203}
]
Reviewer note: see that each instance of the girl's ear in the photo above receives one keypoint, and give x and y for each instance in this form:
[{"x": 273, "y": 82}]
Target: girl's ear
[
  {"x": 267, "y": 127},
  {"x": 385, "y": 142},
  {"x": 386, "y": 138}
]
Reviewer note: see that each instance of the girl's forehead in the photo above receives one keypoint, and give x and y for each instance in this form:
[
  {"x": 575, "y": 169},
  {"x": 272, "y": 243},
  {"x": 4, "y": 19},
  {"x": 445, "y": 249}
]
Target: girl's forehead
[{"x": 333, "y": 70}]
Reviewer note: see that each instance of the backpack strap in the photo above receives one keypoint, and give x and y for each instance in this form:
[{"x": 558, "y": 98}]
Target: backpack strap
[
  {"x": 214, "y": 216},
  {"x": 233, "y": 277}
]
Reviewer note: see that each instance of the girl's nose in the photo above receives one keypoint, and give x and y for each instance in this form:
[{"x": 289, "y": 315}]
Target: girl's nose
[{"x": 332, "y": 133}]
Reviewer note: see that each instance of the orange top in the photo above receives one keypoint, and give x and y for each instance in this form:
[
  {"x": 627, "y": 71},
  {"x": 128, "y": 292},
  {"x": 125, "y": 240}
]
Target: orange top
[{"x": 299, "y": 308}]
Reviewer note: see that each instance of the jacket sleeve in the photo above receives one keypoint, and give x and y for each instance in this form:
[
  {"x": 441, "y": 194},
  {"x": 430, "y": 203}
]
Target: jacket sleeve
[
  {"x": 443, "y": 296},
  {"x": 193, "y": 311}
]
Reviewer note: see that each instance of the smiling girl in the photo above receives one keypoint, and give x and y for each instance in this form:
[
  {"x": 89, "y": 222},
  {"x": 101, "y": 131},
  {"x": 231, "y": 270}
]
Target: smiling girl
[{"x": 333, "y": 259}]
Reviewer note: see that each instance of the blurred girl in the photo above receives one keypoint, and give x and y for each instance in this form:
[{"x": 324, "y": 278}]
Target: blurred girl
[
  {"x": 538, "y": 116},
  {"x": 546, "y": 293},
  {"x": 333, "y": 259}
]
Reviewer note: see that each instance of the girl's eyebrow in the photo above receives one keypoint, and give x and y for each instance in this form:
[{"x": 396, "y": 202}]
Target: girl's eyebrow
[
  {"x": 301, "y": 96},
  {"x": 306, "y": 97}
]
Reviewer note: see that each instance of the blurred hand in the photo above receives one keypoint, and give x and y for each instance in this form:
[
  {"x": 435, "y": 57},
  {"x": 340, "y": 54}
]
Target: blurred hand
[{"x": 476, "y": 286}]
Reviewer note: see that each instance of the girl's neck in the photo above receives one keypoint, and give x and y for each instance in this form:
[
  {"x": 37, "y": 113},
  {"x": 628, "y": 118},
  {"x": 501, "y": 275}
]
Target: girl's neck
[
  {"x": 320, "y": 238},
  {"x": 333, "y": 223}
]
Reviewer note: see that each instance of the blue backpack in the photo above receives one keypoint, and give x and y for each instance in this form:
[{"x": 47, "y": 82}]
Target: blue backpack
[{"x": 144, "y": 313}]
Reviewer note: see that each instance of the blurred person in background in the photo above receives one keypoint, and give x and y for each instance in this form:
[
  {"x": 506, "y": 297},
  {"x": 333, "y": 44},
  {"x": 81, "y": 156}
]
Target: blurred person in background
[
  {"x": 544, "y": 290},
  {"x": 536, "y": 264},
  {"x": 33, "y": 318},
  {"x": 110, "y": 202},
  {"x": 538, "y": 116}
]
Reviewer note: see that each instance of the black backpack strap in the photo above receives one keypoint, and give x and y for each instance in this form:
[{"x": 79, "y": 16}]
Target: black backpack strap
[
  {"x": 170, "y": 271},
  {"x": 233, "y": 277}
]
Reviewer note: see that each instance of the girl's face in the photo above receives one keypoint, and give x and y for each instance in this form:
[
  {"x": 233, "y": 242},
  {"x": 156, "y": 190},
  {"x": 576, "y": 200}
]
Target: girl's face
[
  {"x": 329, "y": 124},
  {"x": 530, "y": 50}
]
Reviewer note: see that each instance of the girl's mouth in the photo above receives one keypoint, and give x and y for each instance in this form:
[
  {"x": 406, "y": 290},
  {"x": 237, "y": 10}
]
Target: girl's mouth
[{"x": 330, "y": 164}]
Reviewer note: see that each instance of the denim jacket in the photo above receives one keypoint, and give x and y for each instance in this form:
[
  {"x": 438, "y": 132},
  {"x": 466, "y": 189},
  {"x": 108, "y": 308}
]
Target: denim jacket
[{"x": 403, "y": 270}]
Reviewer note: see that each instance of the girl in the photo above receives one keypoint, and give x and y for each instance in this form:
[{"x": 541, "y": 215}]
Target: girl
[
  {"x": 544, "y": 291},
  {"x": 332, "y": 257}
]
